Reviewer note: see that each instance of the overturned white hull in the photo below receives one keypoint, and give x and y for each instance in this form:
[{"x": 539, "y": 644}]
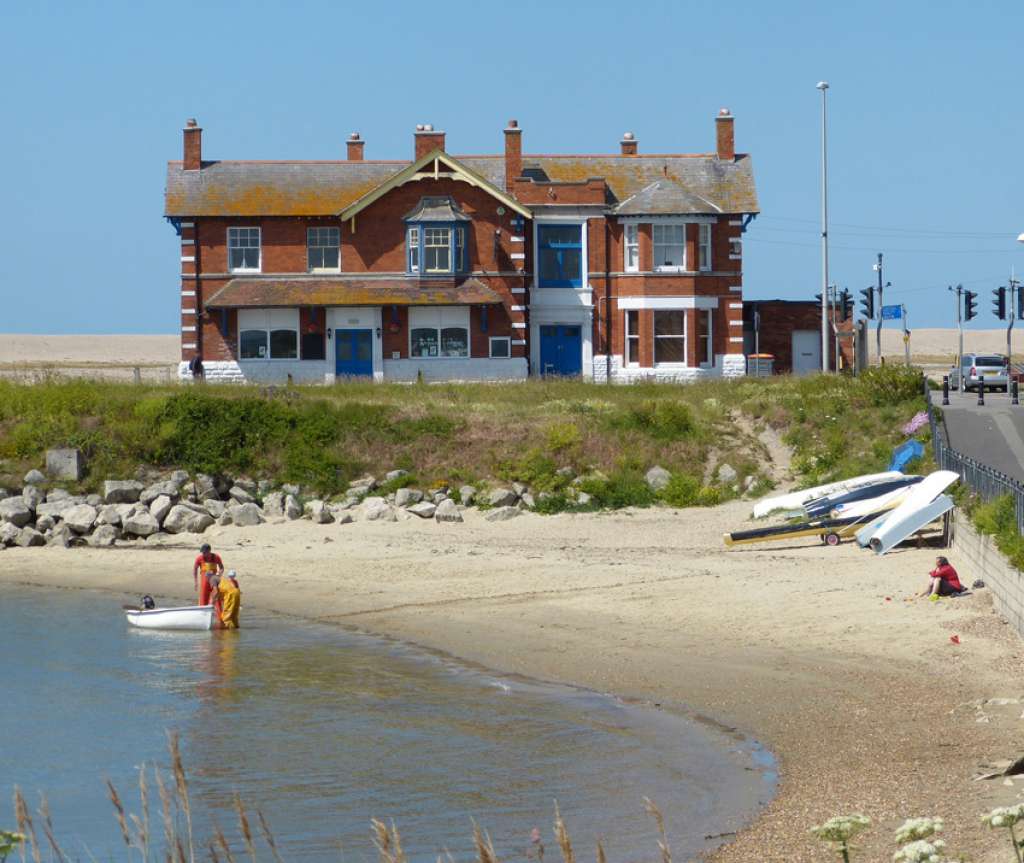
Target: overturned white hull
[
  {"x": 194, "y": 617},
  {"x": 887, "y": 501},
  {"x": 894, "y": 532},
  {"x": 796, "y": 499},
  {"x": 894, "y": 527}
]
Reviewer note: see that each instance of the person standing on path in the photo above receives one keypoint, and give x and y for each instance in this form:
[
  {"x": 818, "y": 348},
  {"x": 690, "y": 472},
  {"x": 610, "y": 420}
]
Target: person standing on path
[{"x": 206, "y": 563}]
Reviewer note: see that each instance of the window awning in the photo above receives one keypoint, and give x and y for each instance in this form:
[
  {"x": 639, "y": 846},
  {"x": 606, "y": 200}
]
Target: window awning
[{"x": 269, "y": 293}]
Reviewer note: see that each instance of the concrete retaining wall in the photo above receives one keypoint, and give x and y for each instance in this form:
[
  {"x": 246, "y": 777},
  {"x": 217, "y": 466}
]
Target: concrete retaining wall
[{"x": 979, "y": 558}]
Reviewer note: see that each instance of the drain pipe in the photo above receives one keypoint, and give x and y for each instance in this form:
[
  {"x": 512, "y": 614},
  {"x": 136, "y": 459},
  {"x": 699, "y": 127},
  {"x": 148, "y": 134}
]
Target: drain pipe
[{"x": 607, "y": 305}]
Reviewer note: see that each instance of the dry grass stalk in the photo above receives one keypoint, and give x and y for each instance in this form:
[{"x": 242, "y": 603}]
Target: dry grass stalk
[
  {"x": 44, "y": 813},
  {"x": 655, "y": 813},
  {"x": 484, "y": 846},
  {"x": 143, "y": 829},
  {"x": 562, "y": 837},
  {"x": 222, "y": 841},
  {"x": 165, "y": 811},
  {"x": 243, "y": 825},
  {"x": 387, "y": 841},
  {"x": 600, "y": 853},
  {"x": 214, "y": 858},
  {"x": 25, "y": 825},
  {"x": 268, "y": 837},
  {"x": 182, "y": 786},
  {"x": 119, "y": 812}
]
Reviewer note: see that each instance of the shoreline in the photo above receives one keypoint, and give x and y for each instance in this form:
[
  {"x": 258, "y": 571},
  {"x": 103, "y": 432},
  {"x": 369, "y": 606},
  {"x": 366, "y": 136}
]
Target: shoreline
[{"x": 795, "y": 646}]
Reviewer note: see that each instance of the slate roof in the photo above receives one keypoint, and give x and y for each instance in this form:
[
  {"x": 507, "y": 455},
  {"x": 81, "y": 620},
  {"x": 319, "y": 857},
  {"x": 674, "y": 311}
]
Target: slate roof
[
  {"x": 326, "y": 188},
  {"x": 436, "y": 209},
  {"x": 344, "y": 291},
  {"x": 664, "y": 198}
]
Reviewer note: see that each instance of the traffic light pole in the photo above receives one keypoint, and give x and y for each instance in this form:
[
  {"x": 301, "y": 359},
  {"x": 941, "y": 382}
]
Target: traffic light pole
[
  {"x": 1014, "y": 288},
  {"x": 878, "y": 309},
  {"x": 906, "y": 335}
]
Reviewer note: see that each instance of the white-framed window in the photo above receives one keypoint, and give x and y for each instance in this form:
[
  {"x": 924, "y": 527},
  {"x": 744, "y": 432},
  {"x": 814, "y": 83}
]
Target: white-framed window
[
  {"x": 704, "y": 247},
  {"x": 669, "y": 246},
  {"x": 705, "y": 355},
  {"x": 560, "y": 255},
  {"x": 670, "y": 337},
  {"x": 413, "y": 246},
  {"x": 437, "y": 250},
  {"x": 631, "y": 237},
  {"x": 323, "y": 249},
  {"x": 268, "y": 334},
  {"x": 500, "y": 347},
  {"x": 632, "y": 338},
  {"x": 244, "y": 250},
  {"x": 439, "y": 332}
]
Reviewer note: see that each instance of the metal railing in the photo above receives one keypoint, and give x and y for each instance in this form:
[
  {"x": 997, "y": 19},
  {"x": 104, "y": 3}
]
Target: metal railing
[{"x": 982, "y": 480}]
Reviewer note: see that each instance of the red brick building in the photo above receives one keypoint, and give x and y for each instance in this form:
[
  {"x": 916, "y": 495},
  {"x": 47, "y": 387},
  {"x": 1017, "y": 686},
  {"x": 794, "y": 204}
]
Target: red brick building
[
  {"x": 453, "y": 267},
  {"x": 790, "y": 331}
]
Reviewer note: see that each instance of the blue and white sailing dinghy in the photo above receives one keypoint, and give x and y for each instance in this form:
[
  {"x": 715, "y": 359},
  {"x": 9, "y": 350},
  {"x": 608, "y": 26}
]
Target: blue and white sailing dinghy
[
  {"x": 822, "y": 506},
  {"x": 796, "y": 499}
]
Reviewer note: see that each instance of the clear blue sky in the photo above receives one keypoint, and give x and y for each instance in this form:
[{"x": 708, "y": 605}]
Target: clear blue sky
[{"x": 925, "y": 125}]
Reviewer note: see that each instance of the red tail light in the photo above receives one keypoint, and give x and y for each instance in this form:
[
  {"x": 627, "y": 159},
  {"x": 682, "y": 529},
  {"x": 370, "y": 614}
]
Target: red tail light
[{"x": 974, "y": 372}]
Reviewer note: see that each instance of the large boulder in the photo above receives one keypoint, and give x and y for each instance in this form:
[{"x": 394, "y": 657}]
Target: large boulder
[
  {"x": 392, "y": 475},
  {"x": 121, "y": 490},
  {"x": 657, "y": 478},
  {"x": 726, "y": 474},
  {"x": 500, "y": 497},
  {"x": 160, "y": 506},
  {"x": 424, "y": 509},
  {"x": 183, "y": 519},
  {"x": 57, "y": 508},
  {"x": 32, "y": 496},
  {"x": 292, "y": 510},
  {"x": 273, "y": 504},
  {"x": 65, "y": 464},
  {"x": 377, "y": 509},
  {"x": 214, "y": 507},
  {"x": 242, "y": 495},
  {"x": 502, "y": 513},
  {"x": 34, "y": 477},
  {"x": 104, "y": 536},
  {"x": 16, "y": 511},
  {"x": 139, "y": 524},
  {"x": 80, "y": 518},
  {"x": 108, "y": 515},
  {"x": 204, "y": 487},
  {"x": 447, "y": 510},
  {"x": 246, "y": 484},
  {"x": 57, "y": 494},
  {"x": 467, "y": 494},
  {"x": 9, "y": 533},
  {"x": 318, "y": 512},
  {"x": 408, "y": 496},
  {"x": 45, "y": 523},
  {"x": 167, "y": 488},
  {"x": 61, "y": 536},
  {"x": 29, "y": 537},
  {"x": 246, "y": 515}
]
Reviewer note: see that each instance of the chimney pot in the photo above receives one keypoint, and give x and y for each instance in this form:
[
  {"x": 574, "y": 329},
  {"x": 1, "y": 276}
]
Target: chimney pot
[
  {"x": 725, "y": 136},
  {"x": 628, "y": 144},
  {"x": 428, "y": 127},
  {"x": 427, "y": 138},
  {"x": 513, "y": 124},
  {"x": 192, "y": 157},
  {"x": 355, "y": 147}
]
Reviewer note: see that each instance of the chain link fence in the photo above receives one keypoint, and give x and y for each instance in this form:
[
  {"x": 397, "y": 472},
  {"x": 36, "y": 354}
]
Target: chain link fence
[{"x": 979, "y": 478}]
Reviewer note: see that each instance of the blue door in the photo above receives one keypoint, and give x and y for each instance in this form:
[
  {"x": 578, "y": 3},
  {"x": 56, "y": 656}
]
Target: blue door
[
  {"x": 353, "y": 351},
  {"x": 561, "y": 350}
]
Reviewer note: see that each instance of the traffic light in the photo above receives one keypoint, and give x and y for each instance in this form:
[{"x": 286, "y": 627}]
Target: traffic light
[
  {"x": 999, "y": 303},
  {"x": 1020, "y": 304},
  {"x": 970, "y": 302},
  {"x": 845, "y": 304},
  {"x": 868, "y": 303}
]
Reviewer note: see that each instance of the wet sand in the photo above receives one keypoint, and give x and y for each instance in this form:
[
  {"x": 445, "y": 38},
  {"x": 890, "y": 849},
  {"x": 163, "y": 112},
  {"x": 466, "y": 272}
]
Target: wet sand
[{"x": 815, "y": 651}]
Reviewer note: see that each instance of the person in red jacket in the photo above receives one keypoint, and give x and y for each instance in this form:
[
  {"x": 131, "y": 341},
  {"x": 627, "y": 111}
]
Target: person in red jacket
[
  {"x": 943, "y": 580},
  {"x": 204, "y": 565}
]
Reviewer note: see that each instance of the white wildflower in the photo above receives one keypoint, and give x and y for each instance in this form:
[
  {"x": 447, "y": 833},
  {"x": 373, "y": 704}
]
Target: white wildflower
[
  {"x": 918, "y": 828},
  {"x": 920, "y": 851},
  {"x": 1004, "y": 816},
  {"x": 841, "y": 828}
]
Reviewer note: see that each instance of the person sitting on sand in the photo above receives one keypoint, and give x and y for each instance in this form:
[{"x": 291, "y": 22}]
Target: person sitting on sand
[
  {"x": 206, "y": 563},
  {"x": 943, "y": 580}
]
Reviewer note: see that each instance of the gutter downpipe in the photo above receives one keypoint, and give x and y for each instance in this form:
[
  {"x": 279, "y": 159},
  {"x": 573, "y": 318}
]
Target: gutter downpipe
[{"x": 607, "y": 306}]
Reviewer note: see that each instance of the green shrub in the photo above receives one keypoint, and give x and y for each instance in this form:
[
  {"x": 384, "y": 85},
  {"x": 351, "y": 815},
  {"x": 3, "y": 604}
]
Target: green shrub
[
  {"x": 890, "y": 385},
  {"x": 563, "y": 437},
  {"x": 661, "y": 420},
  {"x": 621, "y": 489}
]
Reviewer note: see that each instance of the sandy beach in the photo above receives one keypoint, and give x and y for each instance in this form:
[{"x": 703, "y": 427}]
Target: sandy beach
[{"x": 815, "y": 651}]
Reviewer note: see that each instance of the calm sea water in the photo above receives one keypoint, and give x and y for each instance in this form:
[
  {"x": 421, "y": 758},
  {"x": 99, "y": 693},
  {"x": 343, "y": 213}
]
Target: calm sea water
[{"x": 323, "y": 729}]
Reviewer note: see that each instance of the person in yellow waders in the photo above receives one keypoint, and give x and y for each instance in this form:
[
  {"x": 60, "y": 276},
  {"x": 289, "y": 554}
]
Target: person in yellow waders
[{"x": 230, "y": 600}]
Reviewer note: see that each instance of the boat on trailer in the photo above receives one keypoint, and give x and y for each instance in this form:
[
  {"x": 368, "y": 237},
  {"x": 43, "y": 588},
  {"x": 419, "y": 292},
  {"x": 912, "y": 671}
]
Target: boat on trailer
[
  {"x": 797, "y": 499},
  {"x": 191, "y": 617}
]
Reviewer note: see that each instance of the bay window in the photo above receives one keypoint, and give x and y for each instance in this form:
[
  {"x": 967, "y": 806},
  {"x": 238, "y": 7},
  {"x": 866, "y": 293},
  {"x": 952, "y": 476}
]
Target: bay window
[
  {"x": 560, "y": 252},
  {"x": 705, "y": 356},
  {"x": 670, "y": 337},
  {"x": 244, "y": 250},
  {"x": 632, "y": 338},
  {"x": 632, "y": 245},
  {"x": 439, "y": 332},
  {"x": 268, "y": 334},
  {"x": 435, "y": 250},
  {"x": 669, "y": 246}
]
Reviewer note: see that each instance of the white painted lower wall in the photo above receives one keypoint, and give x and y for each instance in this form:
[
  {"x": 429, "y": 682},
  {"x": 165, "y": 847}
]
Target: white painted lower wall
[
  {"x": 456, "y": 369},
  {"x": 260, "y": 371},
  {"x": 726, "y": 366}
]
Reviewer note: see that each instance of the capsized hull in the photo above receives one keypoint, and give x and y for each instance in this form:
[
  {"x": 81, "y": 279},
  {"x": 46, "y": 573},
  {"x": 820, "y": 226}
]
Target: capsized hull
[
  {"x": 796, "y": 499},
  {"x": 893, "y": 532},
  {"x": 193, "y": 617},
  {"x": 821, "y": 507},
  {"x": 917, "y": 498}
]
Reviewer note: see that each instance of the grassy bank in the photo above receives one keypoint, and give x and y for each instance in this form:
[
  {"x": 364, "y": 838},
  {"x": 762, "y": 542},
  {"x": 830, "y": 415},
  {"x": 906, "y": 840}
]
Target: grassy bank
[{"x": 453, "y": 434}]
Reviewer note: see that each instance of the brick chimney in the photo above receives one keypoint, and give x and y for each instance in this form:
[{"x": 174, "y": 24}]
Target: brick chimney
[
  {"x": 355, "y": 147},
  {"x": 427, "y": 139},
  {"x": 193, "y": 146},
  {"x": 724, "y": 133},
  {"x": 513, "y": 154},
  {"x": 628, "y": 144}
]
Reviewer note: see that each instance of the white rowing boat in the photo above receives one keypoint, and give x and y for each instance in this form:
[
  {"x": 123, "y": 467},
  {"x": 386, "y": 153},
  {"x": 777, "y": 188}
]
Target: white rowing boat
[
  {"x": 187, "y": 617},
  {"x": 796, "y": 499}
]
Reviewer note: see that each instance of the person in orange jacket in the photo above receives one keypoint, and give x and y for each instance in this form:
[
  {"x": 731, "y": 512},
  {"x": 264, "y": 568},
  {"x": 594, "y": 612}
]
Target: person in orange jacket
[{"x": 206, "y": 563}]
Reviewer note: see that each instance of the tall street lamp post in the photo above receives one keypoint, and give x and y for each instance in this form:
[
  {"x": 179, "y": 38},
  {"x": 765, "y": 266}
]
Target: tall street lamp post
[{"x": 823, "y": 86}]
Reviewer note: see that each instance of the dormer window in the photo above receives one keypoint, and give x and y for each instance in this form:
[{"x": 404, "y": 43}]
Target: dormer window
[{"x": 435, "y": 238}]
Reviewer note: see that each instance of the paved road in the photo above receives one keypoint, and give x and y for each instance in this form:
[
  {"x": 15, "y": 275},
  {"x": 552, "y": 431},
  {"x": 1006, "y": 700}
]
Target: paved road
[{"x": 992, "y": 434}]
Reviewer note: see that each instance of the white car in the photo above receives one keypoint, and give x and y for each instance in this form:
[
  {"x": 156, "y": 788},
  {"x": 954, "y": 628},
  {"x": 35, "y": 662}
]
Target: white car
[{"x": 994, "y": 368}]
